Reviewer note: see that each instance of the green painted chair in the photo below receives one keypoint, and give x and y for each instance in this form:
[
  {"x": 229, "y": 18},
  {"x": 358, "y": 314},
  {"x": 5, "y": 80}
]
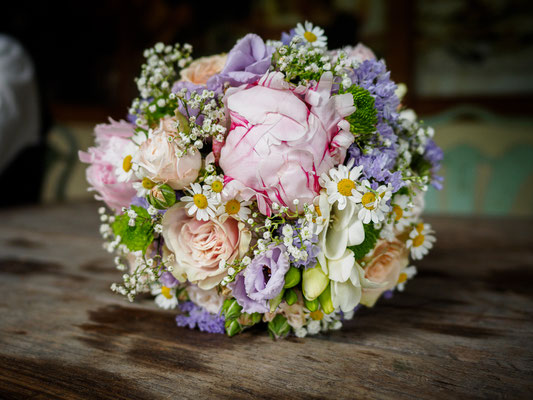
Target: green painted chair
[{"x": 480, "y": 183}]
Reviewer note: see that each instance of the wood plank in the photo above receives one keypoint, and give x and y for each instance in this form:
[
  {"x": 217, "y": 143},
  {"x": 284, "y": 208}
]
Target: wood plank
[{"x": 462, "y": 328}]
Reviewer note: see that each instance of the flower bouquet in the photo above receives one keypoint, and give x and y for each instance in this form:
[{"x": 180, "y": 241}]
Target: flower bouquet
[{"x": 279, "y": 184}]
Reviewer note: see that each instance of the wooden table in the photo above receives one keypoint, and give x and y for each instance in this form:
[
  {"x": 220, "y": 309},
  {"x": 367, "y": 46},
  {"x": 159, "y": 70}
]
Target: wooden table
[{"x": 462, "y": 329}]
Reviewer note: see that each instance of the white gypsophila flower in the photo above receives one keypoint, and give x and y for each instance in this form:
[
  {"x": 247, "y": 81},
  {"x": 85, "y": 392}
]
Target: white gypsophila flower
[
  {"x": 341, "y": 184},
  {"x": 420, "y": 240},
  {"x": 201, "y": 204},
  {"x": 405, "y": 275},
  {"x": 313, "y": 35},
  {"x": 373, "y": 203},
  {"x": 287, "y": 231}
]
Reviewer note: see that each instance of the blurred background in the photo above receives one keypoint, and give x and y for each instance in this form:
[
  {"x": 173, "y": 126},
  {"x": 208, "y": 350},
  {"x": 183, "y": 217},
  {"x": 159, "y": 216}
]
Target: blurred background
[{"x": 468, "y": 66}]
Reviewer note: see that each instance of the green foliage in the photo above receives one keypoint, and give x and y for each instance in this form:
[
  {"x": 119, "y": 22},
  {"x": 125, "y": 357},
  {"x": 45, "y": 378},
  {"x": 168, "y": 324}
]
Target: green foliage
[
  {"x": 232, "y": 311},
  {"x": 291, "y": 297},
  {"x": 279, "y": 326},
  {"x": 420, "y": 165},
  {"x": 364, "y": 120},
  {"x": 137, "y": 237},
  {"x": 292, "y": 277},
  {"x": 371, "y": 237}
]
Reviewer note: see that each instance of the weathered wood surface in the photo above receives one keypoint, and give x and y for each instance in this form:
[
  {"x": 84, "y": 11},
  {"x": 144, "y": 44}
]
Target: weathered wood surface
[{"x": 462, "y": 329}]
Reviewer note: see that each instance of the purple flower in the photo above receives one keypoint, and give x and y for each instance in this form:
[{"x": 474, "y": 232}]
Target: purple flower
[
  {"x": 248, "y": 305},
  {"x": 263, "y": 280},
  {"x": 195, "y": 316},
  {"x": 168, "y": 280},
  {"x": 249, "y": 59},
  {"x": 287, "y": 37},
  {"x": 377, "y": 165}
]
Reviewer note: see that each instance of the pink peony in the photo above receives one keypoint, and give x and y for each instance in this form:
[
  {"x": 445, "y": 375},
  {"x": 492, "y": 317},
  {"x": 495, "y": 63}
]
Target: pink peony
[
  {"x": 384, "y": 266},
  {"x": 159, "y": 162},
  {"x": 199, "y": 246},
  {"x": 108, "y": 155},
  {"x": 282, "y": 139}
]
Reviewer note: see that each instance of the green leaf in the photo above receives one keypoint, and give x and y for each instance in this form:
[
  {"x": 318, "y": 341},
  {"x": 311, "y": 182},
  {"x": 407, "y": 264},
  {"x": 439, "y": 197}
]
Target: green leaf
[
  {"x": 232, "y": 327},
  {"x": 274, "y": 303},
  {"x": 231, "y": 309},
  {"x": 279, "y": 326},
  {"x": 139, "y": 236},
  {"x": 371, "y": 237}
]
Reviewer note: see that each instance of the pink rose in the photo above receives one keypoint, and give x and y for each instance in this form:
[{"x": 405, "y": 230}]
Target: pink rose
[
  {"x": 199, "y": 246},
  {"x": 200, "y": 70},
  {"x": 282, "y": 139},
  {"x": 359, "y": 53},
  {"x": 104, "y": 159},
  {"x": 159, "y": 162},
  {"x": 384, "y": 266}
]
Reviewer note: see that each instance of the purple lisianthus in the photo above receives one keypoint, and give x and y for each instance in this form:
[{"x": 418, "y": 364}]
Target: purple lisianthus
[
  {"x": 195, "y": 316},
  {"x": 249, "y": 59},
  {"x": 263, "y": 280}
]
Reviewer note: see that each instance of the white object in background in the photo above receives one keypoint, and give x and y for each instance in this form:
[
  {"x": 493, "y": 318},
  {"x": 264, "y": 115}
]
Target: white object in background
[{"x": 19, "y": 104}]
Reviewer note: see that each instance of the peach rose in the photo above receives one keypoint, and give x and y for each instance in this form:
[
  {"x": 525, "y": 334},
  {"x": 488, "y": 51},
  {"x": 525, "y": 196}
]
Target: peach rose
[
  {"x": 384, "y": 266},
  {"x": 200, "y": 246},
  {"x": 200, "y": 70},
  {"x": 159, "y": 162},
  {"x": 210, "y": 299}
]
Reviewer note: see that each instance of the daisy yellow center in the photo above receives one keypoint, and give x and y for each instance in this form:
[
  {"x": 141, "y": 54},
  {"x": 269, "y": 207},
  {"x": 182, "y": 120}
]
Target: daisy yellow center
[
  {"x": 398, "y": 212},
  {"x": 317, "y": 315},
  {"x": 368, "y": 200},
  {"x": 200, "y": 201},
  {"x": 165, "y": 291},
  {"x": 418, "y": 240},
  {"x": 232, "y": 207},
  {"x": 126, "y": 163},
  {"x": 420, "y": 227},
  {"x": 148, "y": 183},
  {"x": 402, "y": 278},
  {"x": 217, "y": 186},
  {"x": 310, "y": 37},
  {"x": 345, "y": 187}
]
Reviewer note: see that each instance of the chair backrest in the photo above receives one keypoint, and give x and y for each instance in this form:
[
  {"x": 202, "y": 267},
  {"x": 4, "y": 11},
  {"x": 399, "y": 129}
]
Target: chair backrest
[{"x": 489, "y": 171}]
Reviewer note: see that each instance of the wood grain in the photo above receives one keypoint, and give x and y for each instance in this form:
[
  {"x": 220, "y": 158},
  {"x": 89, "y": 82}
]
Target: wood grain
[{"x": 462, "y": 329}]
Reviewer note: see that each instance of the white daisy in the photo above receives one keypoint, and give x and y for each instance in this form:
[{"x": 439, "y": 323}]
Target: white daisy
[
  {"x": 341, "y": 184},
  {"x": 215, "y": 185},
  {"x": 373, "y": 203},
  {"x": 312, "y": 35},
  {"x": 126, "y": 168},
  {"x": 406, "y": 274},
  {"x": 401, "y": 211},
  {"x": 143, "y": 187},
  {"x": 420, "y": 240},
  {"x": 165, "y": 297},
  {"x": 235, "y": 209},
  {"x": 201, "y": 203}
]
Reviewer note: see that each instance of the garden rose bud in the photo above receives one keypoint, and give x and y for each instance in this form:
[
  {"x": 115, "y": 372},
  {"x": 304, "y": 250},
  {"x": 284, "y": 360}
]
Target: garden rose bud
[
  {"x": 314, "y": 282},
  {"x": 292, "y": 278},
  {"x": 325, "y": 300},
  {"x": 162, "y": 197}
]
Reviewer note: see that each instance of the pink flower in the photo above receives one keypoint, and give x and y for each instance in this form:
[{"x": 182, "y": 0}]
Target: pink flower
[
  {"x": 200, "y": 246},
  {"x": 384, "y": 266},
  {"x": 358, "y": 53},
  {"x": 200, "y": 70},
  {"x": 159, "y": 162},
  {"x": 111, "y": 140},
  {"x": 282, "y": 139}
]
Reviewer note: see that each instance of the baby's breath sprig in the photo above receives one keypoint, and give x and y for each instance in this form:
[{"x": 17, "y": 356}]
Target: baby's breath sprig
[{"x": 303, "y": 64}]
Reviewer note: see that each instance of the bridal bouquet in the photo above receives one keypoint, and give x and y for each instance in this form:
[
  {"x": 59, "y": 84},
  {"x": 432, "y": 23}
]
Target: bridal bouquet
[{"x": 279, "y": 184}]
